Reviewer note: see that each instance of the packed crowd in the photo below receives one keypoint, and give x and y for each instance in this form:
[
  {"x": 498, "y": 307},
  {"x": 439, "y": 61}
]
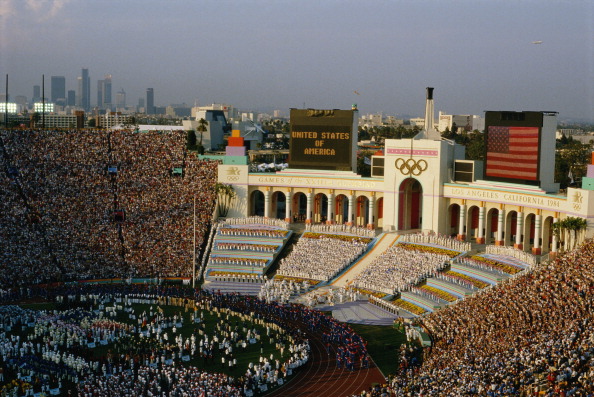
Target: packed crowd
[
  {"x": 321, "y": 258},
  {"x": 342, "y": 228},
  {"x": 257, "y": 220},
  {"x": 398, "y": 268},
  {"x": 437, "y": 239},
  {"x": 512, "y": 252},
  {"x": 86, "y": 204},
  {"x": 533, "y": 335}
]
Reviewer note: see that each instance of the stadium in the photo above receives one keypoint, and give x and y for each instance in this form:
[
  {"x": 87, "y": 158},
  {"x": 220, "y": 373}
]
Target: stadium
[{"x": 131, "y": 266}]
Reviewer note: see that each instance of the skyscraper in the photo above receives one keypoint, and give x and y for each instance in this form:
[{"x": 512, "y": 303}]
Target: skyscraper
[
  {"x": 84, "y": 90},
  {"x": 58, "y": 90},
  {"x": 150, "y": 101},
  {"x": 104, "y": 92},
  {"x": 71, "y": 98},
  {"x": 36, "y": 93},
  {"x": 120, "y": 99}
]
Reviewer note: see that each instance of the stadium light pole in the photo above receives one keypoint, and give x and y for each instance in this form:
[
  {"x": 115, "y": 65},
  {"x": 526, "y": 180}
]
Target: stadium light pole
[{"x": 194, "y": 256}]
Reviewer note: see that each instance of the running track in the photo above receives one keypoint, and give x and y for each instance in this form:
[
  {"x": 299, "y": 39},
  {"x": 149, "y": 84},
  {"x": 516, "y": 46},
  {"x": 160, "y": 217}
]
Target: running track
[{"x": 321, "y": 377}]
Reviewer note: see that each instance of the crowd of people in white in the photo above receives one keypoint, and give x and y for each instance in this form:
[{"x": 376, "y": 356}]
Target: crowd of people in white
[
  {"x": 340, "y": 228},
  {"x": 437, "y": 239},
  {"x": 320, "y": 258},
  {"x": 502, "y": 250},
  {"x": 398, "y": 268},
  {"x": 81, "y": 204}
]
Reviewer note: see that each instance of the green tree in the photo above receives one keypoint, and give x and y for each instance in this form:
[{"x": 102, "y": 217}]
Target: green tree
[
  {"x": 573, "y": 156},
  {"x": 191, "y": 140},
  {"x": 202, "y": 124},
  {"x": 475, "y": 147}
]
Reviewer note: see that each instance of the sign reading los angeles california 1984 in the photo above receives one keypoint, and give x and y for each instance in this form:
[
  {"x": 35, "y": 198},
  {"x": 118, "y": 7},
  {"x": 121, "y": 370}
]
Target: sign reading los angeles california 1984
[{"x": 322, "y": 139}]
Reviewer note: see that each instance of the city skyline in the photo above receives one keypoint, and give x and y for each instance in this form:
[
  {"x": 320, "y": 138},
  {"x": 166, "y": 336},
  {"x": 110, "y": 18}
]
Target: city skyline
[{"x": 504, "y": 55}]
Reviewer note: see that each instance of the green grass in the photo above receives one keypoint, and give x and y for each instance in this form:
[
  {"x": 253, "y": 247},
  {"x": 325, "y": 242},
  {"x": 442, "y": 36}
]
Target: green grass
[
  {"x": 39, "y": 306},
  {"x": 244, "y": 356},
  {"x": 382, "y": 344}
]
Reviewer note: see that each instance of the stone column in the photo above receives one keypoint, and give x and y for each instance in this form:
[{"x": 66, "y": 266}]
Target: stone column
[
  {"x": 536, "y": 248},
  {"x": 267, "y": 203},
  {"x": 500, "y": 227},
  {"x": 480, "y": 238},
  {"x": 554, "y": 243},
  {"x": 308, "y": 210},
  {"x": 330, "y": 211},
  {"x": 462, "y": 223},
  {"x": 371, "y": 214},
  {"x": 288, "y": 205},
  {"x": 519, "y": 227},
  {"x": 351, "y": 206}
]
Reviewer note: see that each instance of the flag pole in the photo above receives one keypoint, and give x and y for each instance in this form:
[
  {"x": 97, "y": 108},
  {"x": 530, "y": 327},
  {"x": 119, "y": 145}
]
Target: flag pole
[{"x": 194, "y": 256}]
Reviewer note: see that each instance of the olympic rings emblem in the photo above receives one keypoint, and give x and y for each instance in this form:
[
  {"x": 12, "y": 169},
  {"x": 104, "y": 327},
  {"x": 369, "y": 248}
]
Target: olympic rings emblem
[
  {"x": 232, "y": 178},
  {"x": 411, "y": 166}
]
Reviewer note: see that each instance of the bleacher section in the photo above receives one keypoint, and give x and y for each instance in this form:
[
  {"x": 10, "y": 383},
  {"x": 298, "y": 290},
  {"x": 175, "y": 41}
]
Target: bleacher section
[{"x": 242, "y": 254}]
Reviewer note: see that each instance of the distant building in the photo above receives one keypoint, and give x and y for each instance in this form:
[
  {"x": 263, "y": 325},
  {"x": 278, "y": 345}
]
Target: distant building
[
  {"x": 104, "y": 92},
  {"x": 229, "y": 111},
  {"x": 71, "y": 101},
  {"x": 36, "y": 93},
  {"x": 150, "y": 101},
  {"x": 84, "y": 90},
  {"x": 58, "y": 90},
  {"x": 112, "y": 119},
  {"x": 213, "y": 137},
  {"x": 466, "y": 122},
  {"x": 120, "y": 101}
]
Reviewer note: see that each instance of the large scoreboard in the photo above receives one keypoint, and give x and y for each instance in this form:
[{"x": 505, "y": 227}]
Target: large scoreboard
[
  {"x": 513, "y": 147},
  {"x": 323, "y": 139}
]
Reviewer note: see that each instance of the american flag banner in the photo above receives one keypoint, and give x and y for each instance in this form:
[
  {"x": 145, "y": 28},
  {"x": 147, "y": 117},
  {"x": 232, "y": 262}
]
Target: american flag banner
[{"x": 512, "y": 152}]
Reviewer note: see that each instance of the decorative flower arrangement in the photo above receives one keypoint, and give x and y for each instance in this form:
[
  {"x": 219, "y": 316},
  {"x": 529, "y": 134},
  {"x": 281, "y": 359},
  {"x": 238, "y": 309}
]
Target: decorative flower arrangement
[
  {"x": 504, "y": 267},
  {"x": 409, "y": 307},
  {"x": 216, "y": 273},
  {"x": 429, "y": 248},
  {"x": 441, "y": 294},
  {"x": 247, "y": 247},
  {"x": 370, "y": 292},
  {"x": 464, "y": 278},
  {"x": 231, "y": 231},
  {"x": 296, "y": 279},
  {"x": 225, "y": 259},
  {"x": 341, "y": 237}
]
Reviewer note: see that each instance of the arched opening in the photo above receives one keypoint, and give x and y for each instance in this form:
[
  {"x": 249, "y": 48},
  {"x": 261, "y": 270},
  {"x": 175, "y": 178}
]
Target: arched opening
[
  {"x": 453, "y": 220},
  {"x": 341, "y": 209},
  {"x": 380, "y": 212},
  {"x": 257, "y": 203},
  {"x": 511, "y": 224},
  {"x": 410, "y": 205},
  {"x": 362, "y": 211},
  {"x": 529, "y": 235},
  {"x": 278, "y": 203},
  {"x": 547, "y": 235},
  {"x": 299, "y": 207},
  {"x": 492, "y": 226},
  {"x": 472, "y": 223},
  {"x": 320, "y": 208}
]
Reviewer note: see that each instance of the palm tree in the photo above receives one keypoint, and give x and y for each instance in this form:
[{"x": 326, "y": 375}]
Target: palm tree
[
  {"x": 225, "y": 196},
  {"x": 571, "y": 231},
  {"x": 202, "y": 128}
]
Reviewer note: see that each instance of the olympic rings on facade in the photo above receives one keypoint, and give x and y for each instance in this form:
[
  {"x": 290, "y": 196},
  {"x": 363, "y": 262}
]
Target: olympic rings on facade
[
  {"x": 232, "y": 178},
  {"x": 411, "y": 166}
]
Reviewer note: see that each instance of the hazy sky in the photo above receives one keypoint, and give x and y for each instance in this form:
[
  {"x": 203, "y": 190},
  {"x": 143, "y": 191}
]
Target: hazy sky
[{"x": 278, "y": 54}]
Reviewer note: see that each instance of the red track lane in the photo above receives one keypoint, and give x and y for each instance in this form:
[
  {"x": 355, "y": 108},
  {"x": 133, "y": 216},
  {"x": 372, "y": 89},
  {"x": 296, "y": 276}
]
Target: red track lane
[{"x": 321, "y": 377}]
